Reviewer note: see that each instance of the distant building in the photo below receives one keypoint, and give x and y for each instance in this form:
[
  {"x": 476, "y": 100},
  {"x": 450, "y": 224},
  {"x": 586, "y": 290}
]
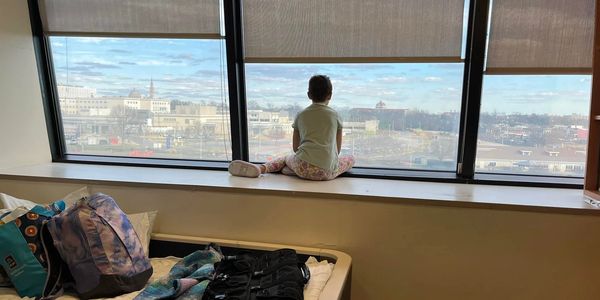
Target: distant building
[
  {"x": 387, "y": 118},
  {"x": 380, "y": 107},
  {"x": 539, "y": 160},
  {"x": 196, "y": 109},
  {"x": 269, "y": 123},
  {"x": 583, "y": 133},
  {"x": 259, "y": 116},
  {"x": 73, "y": 91},
  {"x": 370, "y": 126},
  {"x": 191, "y": 125},
  {"x": 75, "y": 100}
]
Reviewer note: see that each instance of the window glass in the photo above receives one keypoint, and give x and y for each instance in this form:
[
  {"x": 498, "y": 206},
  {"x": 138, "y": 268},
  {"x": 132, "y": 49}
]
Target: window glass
[
  {"x": 142, "y": 97},
  {"x": 534, "y": 124},
  {"x": 402, "y": 116}
]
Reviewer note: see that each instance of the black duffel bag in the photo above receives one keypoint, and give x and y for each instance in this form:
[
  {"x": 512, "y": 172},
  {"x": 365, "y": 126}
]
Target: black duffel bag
[{"x": 272, "y": 275}]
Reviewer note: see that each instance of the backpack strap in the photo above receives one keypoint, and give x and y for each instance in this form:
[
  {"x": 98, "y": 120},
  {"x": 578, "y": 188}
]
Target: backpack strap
[{"x": 53, "y": 287}]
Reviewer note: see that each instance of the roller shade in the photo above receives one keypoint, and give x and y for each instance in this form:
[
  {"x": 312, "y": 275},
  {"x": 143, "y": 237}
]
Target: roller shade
[
  {"x": 541, "y": 36},
  {"x": 352, "y": 30},
  {"x": 131, "y": 17}
]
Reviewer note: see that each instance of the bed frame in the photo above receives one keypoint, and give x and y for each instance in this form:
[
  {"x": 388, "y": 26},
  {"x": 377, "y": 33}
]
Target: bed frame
[{"x": 337, "y": 288}]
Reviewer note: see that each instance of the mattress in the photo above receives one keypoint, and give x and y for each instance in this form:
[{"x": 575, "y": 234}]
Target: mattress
[{"x": 161, "y": 267}]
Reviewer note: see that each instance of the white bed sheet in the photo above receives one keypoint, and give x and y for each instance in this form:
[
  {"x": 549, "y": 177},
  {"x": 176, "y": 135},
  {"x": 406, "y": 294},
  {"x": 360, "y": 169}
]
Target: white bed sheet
[{"x": 161, "y": 267}]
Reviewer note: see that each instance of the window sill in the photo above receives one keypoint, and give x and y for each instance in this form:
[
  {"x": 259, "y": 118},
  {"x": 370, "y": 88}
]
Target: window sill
[
  {"x": 396, "y": 191},
  {"x": 356, "y": 172}
]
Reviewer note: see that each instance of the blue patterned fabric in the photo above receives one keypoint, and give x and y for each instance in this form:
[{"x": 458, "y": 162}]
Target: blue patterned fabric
[
  {"x": 22, "y": 253},
  {"x": 187, "y": 279}
]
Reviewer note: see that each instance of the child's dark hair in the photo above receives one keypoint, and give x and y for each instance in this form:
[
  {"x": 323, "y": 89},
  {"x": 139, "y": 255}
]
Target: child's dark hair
[{"x": 319, "y": 88}]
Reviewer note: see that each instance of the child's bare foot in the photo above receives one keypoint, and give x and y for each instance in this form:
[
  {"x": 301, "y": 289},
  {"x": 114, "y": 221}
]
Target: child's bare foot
[{"x": 244, "y": 169}]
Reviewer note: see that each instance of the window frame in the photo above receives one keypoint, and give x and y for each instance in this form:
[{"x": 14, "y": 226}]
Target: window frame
[
  {"x": 477, "y": 29},
  {"x": 592, "y": 170}
]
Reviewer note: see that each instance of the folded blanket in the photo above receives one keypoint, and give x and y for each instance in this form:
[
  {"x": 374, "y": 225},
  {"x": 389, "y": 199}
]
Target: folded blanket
[
  {"x": 187, "y": 279},
  {"x": 319, "y": 275}
]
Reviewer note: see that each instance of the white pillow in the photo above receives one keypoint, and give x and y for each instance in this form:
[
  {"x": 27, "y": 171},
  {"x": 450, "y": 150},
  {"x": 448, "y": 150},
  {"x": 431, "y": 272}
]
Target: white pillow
[
  {"x": 74, "y": 196},
  {"x": 142, "y": 224},
  {"x": 11, "y": 202}
]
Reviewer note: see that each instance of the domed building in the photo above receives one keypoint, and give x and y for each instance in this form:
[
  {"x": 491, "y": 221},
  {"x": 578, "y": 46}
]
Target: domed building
[{"x": 134, "y": 94}]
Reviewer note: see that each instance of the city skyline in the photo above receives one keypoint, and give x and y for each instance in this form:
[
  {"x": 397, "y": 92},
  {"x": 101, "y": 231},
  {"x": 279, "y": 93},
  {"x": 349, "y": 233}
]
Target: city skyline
[
  {"x": 192, "y": 70},
  {"x": 137, "y": 125}
]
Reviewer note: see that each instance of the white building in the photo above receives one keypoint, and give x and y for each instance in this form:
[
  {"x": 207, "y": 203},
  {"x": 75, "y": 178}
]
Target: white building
[
  {"x": 72, "y": 91},
  {"x": 75, "y": 100}
]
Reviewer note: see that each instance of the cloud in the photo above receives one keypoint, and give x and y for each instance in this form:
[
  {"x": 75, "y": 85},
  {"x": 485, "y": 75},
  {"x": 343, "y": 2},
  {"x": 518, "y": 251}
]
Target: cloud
[
  {"x": 447, "y": 90},
  {"x": 97, "y": 65},
  {"x": 393, "y": 79},
  {"x": 119, "y": 51},
  {"x": 190, "y": 59},
  {"x": 432, "y": 78},
  {"x": 75, "y": 69},
  {"x": 151, "y": 62},
  {"x": 127, "y": 63},
  {"x": 208, "y": 73},
  {"x": 163, "y": 62},
  {"x": 543, "y": 94},
  {"x": 182, "y": 56},
  {"x": 385, "y": 93},
  {"x": 91, "y": 73}
]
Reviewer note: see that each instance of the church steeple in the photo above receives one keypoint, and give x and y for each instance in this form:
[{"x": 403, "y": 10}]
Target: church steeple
[{"x": 151, "y": 91}]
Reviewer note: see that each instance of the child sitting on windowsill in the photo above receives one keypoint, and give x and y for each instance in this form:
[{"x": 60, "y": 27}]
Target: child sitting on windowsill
[{"x": 316, "y": 142}]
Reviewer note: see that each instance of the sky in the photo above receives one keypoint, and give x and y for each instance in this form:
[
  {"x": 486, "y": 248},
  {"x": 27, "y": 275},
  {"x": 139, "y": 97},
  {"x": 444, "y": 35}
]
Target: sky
[{"x": 195, "y": 70}]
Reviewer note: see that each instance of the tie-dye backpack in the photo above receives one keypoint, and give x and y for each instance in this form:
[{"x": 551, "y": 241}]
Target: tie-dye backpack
[
  {"x": 100, "y": 247},
  {"x": 27, "y": 255}
]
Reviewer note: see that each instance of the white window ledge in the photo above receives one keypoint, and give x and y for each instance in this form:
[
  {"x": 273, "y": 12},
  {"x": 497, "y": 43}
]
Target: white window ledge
[{"x": 397, "y": 191}]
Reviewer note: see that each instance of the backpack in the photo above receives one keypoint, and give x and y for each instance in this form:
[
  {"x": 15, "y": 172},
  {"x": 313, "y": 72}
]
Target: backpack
[
  {"x": 27, "y": 256},
  {"x": 100, "y": 247}
]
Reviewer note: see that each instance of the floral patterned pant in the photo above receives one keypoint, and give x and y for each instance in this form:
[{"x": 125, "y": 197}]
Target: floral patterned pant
[{"x": 291, "y": 165}]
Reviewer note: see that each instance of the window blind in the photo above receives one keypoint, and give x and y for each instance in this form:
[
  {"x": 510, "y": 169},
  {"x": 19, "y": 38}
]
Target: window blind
[
  {"x": 352, "y": 30},
  {"x": 541, "y": 36},
  {"x": 131, "y": 17}
]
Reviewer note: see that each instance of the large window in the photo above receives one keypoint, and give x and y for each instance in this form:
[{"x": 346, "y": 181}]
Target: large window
[
  {"x": 457, "y": 87},
  {"x": 396, "y": 68},
  {"x": 140, "y": 78},
  {"x": 535, "y": 125},
  {"x": 140, "y": 97},
  {"x": 401, "y": 116}
]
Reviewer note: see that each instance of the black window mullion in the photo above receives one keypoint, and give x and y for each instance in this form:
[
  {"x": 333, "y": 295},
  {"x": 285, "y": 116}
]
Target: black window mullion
[
  {"x": 47, "y": 84},
  {"x": 472, "y": 87},
  {"x": 236, "y": 78}
]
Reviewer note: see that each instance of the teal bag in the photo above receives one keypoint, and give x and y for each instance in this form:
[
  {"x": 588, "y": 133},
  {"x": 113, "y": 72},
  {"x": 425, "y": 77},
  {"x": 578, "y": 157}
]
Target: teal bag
[{"x": 25, "y": 256}]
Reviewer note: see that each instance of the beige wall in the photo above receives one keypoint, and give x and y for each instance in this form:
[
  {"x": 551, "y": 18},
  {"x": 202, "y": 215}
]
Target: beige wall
[
  {"x": 23, "y": 136},
  {"x": 399, "y": 251}
]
